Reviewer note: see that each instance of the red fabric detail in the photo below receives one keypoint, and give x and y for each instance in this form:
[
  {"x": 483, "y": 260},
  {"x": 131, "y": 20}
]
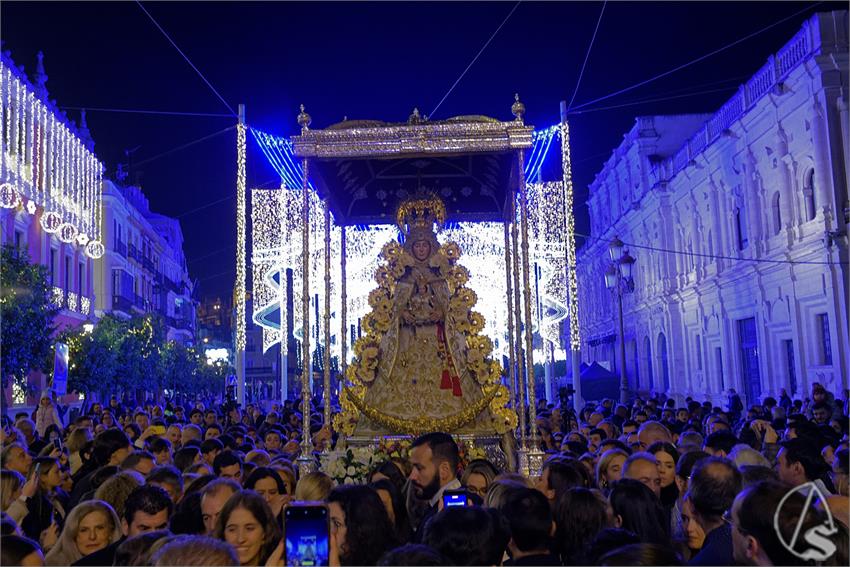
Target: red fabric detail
[
  {"x": 446, "y": 381},
  {"x": 456, "y": 386}
]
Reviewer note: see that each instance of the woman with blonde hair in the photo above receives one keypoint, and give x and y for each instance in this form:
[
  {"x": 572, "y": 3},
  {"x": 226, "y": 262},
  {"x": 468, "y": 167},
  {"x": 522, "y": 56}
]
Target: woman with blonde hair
[
  {"x": 478, "y": 476},
  {"x": 91, "y": 526},
  {"x": 609, "y": 469},
  {"x": 115, "y": 489},
  {"x": 14, "y": 490},
  {"x": 77, "y": 440},
  {"x": 314, "y": 486}
]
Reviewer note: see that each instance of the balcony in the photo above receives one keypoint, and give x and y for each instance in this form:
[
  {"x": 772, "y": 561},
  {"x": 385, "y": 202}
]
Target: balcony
[{"x": 121, "y": 303}]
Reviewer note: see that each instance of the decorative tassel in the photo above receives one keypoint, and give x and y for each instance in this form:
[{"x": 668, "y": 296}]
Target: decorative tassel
[
  {"x": 456, "y": 386},
  {"x": 446, "y": 382}
]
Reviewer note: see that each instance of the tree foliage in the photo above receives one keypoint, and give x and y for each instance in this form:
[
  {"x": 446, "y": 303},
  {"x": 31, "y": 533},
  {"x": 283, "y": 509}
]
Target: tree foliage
[
  {"x": 130, "y": 355},
  {"x": 26, "y": 314}
]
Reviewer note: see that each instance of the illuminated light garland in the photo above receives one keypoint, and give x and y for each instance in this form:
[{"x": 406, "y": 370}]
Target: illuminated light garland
[
  {"x": 572, "y": 279},
  {"x": 8, "y": 196},
  {"x": 85, "y": 305},
  {"x": 72, "y": 301},
  {"x": 239, "y": 286},
  {"x": 47, "y": 164},
  {"x": 67, "y": 233},
  {"x": 58, "y": 296},
  {"x": 277, "y": 214}
]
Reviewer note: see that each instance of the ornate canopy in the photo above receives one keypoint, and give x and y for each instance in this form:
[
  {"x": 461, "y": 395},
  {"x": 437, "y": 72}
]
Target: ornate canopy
[{"x": 366, "y": 168}]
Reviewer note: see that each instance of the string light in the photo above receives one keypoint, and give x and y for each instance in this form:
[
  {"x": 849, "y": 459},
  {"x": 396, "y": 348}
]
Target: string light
[
  {"x": 276, "y": 214},
  {"x": 47, "y": 165},
  {"x": 239, "y": 288},
  {"x": 572, "y": 279}
]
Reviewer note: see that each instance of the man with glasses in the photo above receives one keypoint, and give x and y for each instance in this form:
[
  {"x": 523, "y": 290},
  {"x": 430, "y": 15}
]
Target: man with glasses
[{"x": 756, "y": 527}]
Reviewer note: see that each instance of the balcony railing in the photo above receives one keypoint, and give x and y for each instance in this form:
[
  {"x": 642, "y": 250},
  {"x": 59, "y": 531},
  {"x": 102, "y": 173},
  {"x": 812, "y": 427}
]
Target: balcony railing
[{"x": 121, "y": 303}]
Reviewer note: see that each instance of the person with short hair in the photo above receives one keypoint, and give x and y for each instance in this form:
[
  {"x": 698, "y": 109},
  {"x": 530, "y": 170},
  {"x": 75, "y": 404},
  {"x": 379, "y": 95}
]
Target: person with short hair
[
  {"x": 532, "y": 527},
  {"x": 194, "y": 550},
  {"x": 643, "y": 467},
  {"x": 799, "y": 462},
  {"x": 90, "y": 527},
  {"x": 434, "y": 458},
  {"x": 19, "y": 550},
  {"x": 140, "y": 461},
  {"x": 714, "y": 484},
  {"x": 228, "y": 465},
  {"x": 720, "y": 443},
  {"x": 468, "y": 535},
  {"x": 651, "y": 432},
  {"x": 754, "y": 524},
  {"x": 191, "y": 432},
  {"x": 210, "y": 449},
  {"x": 186, "y": 456},
  {"x": 169, "y": 479},
  {"x": 213, "y": 498}
]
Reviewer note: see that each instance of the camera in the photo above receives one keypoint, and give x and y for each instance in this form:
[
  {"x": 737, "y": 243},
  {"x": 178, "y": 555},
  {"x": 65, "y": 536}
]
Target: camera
[{"x": 230, "y": 402}]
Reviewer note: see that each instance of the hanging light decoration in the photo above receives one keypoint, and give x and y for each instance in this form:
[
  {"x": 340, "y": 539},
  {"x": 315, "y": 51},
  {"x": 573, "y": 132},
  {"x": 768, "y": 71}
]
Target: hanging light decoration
[
  {"x": 44, "y": 164},
  {"x": 67, "y": 232},
  {"x": 51, "y": 222},
  {"x": 8, "y": 196},
  {"x": 95, "y": 250}
]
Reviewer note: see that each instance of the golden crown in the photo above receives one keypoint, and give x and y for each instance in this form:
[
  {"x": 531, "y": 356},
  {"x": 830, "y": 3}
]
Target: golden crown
[{"x": 420, "y": 213}]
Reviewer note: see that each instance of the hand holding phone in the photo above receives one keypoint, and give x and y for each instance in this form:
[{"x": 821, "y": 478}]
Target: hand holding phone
[
  {"x": 455, "y": 498},
  {"x": 307, "y": 529}
]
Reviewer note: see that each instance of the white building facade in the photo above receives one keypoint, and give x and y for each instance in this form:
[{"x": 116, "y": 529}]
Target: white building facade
[
  {"x": 144, "y": 269},
  {"x": 738, "y": 221}
]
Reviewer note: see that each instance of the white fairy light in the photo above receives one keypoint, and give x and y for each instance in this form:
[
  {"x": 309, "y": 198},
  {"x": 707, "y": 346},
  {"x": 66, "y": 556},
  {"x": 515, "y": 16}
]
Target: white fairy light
[
  {"x": 239, "y": 287},
  {"x": 47, "y": 166}
]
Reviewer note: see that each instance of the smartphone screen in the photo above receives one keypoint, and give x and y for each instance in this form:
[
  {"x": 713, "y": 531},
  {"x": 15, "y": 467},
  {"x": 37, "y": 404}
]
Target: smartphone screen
[
  {"x": 455, "y": 498},
  {"x": 307, "y": 529},
  {"x": 57, "y": 443}
]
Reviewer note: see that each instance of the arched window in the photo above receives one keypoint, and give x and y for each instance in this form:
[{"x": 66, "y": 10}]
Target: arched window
[
  {"x": 777, "y": 213},
  {"x": 662, "y": 358},
  {"x": 698, "y": 343},
  {"x": 741, "y": 228},
  {"x": 647, "y": 347},
  {"x": 809, "y": 194}
]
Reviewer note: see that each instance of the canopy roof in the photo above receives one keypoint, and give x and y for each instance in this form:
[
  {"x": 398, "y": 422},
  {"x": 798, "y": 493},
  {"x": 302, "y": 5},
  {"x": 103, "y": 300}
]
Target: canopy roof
[{"x": 366, "y": 168}]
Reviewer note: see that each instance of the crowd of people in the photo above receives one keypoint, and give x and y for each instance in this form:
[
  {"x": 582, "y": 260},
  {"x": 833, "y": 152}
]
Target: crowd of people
[{"x": 649, "y": 483}]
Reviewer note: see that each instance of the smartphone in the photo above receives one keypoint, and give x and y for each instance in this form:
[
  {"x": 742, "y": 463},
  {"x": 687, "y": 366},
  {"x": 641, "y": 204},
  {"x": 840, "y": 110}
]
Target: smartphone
[
  {"x": 57, "y": 443},
  {"x": 455, "y": 498},
  {"x": 307, "y": 528}
]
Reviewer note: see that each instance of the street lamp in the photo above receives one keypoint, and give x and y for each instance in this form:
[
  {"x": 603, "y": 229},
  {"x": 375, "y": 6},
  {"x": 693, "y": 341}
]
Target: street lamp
[{"x": 618, "y": 277}]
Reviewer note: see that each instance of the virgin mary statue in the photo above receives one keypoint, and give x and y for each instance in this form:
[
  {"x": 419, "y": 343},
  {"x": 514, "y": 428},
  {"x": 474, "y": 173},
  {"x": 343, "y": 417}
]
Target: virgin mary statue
[{"x": 422, "y": 364}]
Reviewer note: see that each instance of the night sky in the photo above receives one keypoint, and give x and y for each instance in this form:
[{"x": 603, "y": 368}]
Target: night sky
[{"x": 368, "y": 60}]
